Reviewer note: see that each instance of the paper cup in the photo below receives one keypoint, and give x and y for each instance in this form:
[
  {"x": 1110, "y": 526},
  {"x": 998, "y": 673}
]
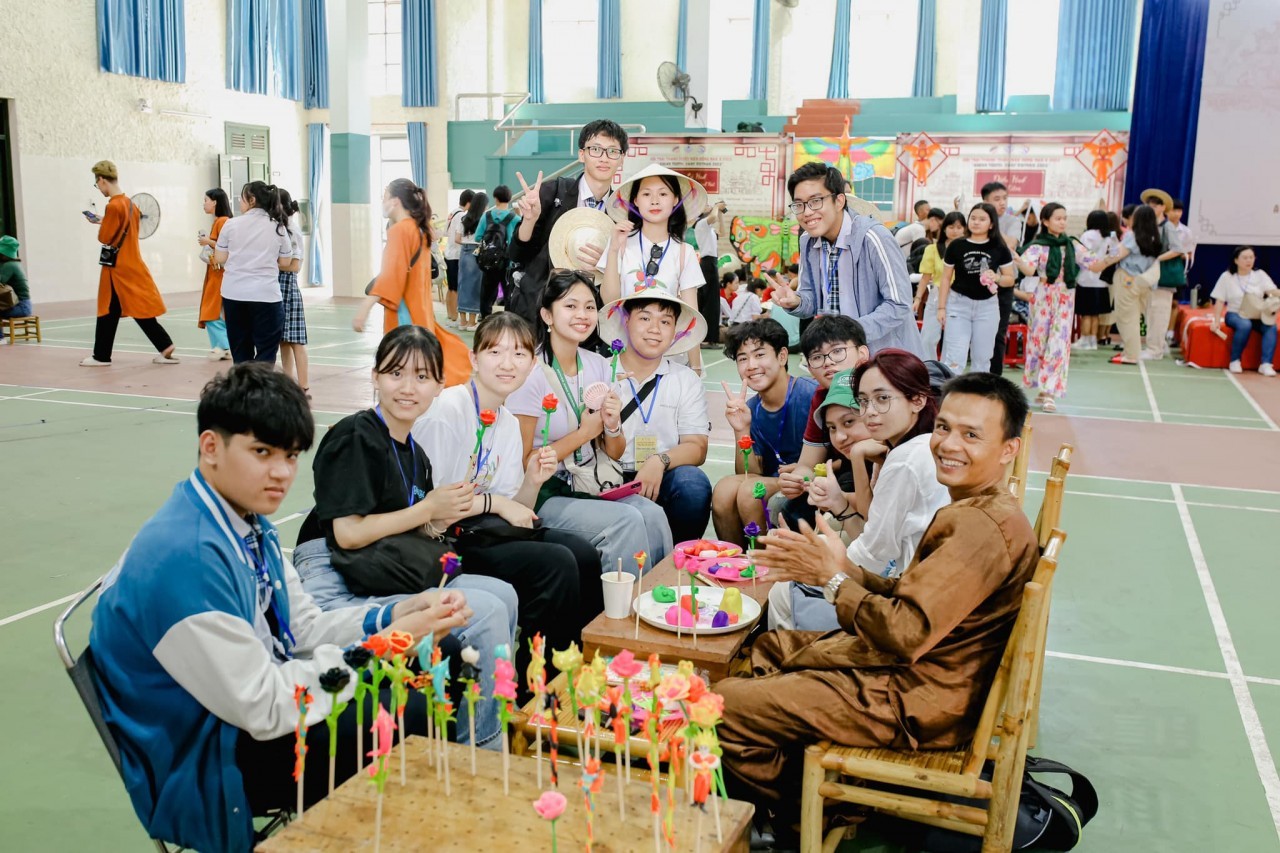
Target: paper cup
[{"x": 618, "y": 594}]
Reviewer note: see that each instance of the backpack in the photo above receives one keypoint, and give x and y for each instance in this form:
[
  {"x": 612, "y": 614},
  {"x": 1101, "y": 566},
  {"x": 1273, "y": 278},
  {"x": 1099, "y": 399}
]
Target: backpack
[
  {"x": 1048, "y": 819},
  {"x": 916, "y": 254},
  {"x": 491, "y": 254}
]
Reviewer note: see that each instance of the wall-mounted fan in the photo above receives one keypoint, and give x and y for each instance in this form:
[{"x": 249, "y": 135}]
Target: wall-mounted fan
[
  {"x": 149, "y": 208},
  {"x": 674, "y": 85}
]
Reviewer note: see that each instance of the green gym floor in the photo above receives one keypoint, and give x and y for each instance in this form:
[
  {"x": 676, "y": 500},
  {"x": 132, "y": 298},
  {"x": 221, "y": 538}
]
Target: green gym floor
[{"x": 1163, "y": 677}]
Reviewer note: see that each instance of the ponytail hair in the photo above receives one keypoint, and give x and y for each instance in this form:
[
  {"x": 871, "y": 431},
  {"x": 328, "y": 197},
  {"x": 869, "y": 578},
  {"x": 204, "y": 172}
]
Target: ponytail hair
[
  {"x": 267, "y": 197},
  {"x": 413, "y": 199},
  {"x": 287, "y": 204}
]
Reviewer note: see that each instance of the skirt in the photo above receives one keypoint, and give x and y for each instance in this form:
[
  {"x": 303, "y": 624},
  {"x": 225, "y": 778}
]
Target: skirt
[
  {"x": 295, "y": 323},
  {"x": 469, "y": 280},
  {"x": 1092, "y": 301}
]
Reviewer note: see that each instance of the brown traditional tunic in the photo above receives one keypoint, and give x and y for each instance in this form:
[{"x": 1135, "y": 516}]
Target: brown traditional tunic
[{"x": 911, "y": 667}]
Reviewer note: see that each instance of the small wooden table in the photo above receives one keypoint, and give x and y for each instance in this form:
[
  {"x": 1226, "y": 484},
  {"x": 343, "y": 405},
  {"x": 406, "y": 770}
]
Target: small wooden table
[
  {"x": 478, "y": 816},
  {"x": 714, "y": 653}
]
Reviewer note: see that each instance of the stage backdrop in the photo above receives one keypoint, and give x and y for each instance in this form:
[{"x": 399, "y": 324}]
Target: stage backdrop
[
  {"x": 1235, "y": 196},
  {"x": 1081, "y": 171},
  {"x": 868, "y": 162},
  {"x": 746, "y": 172}
]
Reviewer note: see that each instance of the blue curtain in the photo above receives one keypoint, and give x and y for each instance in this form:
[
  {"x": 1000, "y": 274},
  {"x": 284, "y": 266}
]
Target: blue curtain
[
  {"x": 418, "y": 151},
  {"x": 926, "y": 50},
  {"x": 682, "y": 37},
  {"x": 315, "y": 56},
  {"x": 316, "y": 144},
  {"x": 537, "y": 92},
  {"x": 838, "y": 79},
  {"x": 1095, "y": 54},
  {"x": 991, "y": 47},
  {"x": 1166, "y": 98},
  {"x": 143, "y": 38},
  {"x": 264, "y": 48},
  {"x": 418, "y": 19},
  {"x": 760, "y": 51},
  {"x": 609, "y": 62}
]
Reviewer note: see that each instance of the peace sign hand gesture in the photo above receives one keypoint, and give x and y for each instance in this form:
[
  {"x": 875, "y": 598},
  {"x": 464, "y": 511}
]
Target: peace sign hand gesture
[
  {"x": 783, "y": 296},
  {"x": 736, "y": 410},
  {"x": 529, "y": 207}
]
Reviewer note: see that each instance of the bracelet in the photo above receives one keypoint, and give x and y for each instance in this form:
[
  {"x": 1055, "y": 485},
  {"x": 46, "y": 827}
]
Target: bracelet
[
  {"x": 488, "y": 503},
  {"x": 613, "y": 433}
]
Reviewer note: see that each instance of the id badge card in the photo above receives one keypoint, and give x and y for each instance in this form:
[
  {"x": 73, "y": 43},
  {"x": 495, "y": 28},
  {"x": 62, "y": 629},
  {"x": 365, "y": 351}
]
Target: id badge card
[{"x": 646, "y": 446}]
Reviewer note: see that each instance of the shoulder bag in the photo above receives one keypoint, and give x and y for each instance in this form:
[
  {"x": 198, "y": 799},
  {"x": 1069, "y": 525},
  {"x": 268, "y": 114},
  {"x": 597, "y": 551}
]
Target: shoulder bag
[{"x": 108, "y": 255}]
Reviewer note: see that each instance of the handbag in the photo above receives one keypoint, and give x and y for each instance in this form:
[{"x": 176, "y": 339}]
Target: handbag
[
  {"x": 1150, "y": 277},
  {"x": 403, "y": 563},
  {"x": 8, "y": 297},
  {"x": 108, "y": 255}
]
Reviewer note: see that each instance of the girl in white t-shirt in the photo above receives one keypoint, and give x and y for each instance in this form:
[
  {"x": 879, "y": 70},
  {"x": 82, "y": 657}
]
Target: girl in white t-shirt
[
  {"x": 648, "y": 248},
  {"x": 567, "y": 370},
  {"x": 1228, "y": 296},
  {"x": 564, "y": 592}
]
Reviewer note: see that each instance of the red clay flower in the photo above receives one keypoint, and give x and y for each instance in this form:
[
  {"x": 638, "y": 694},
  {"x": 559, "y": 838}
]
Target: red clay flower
[
  {"x": 487, "y": 417},
  {"x": 744, "y": 443}
]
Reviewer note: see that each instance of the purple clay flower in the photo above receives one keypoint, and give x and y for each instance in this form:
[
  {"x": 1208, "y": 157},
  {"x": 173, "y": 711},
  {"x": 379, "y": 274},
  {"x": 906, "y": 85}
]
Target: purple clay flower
[
  {"x": 356, "y": 657},
  {"x": 450, "y": 563},
  {"x": 752, "y": 530},
  {"x": 617, "y": 346},
  {"x": 334, "y": 680}
]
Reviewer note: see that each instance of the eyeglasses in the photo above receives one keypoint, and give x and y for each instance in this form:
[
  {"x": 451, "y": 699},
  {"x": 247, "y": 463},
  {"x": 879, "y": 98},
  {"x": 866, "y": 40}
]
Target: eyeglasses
[
  {"x": 836, "y": 355},
  {"x": 584, "y": 277},
  {"x": 597, "y": 151},
  {"x": 655, "y": 255},
  {"x": 814, "y": 203},
  {"x": 879, "y": 403}
]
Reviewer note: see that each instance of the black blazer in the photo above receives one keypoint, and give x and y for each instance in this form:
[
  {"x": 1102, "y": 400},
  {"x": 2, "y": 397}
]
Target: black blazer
[{"x": 531, "y": 262}]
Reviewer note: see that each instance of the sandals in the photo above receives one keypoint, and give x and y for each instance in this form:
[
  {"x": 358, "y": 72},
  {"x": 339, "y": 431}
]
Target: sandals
[{"x": 1049, "y": 406}]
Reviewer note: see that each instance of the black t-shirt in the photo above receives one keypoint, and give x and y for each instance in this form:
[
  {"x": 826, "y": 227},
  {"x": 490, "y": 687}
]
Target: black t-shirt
[
  {"x": 967, "y": 257},
  {"x": 359, "y": 469}
]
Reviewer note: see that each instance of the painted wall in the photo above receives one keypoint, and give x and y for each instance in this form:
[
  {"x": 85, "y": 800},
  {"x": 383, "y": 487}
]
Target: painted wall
[{"x": 67, "y": 115}]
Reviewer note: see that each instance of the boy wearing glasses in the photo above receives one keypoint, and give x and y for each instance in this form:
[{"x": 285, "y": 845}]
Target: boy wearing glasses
[
  {"x": 602, "y": 149},
  {"x": 773, "y": 421},
  {"x": 849, "y": 263}
]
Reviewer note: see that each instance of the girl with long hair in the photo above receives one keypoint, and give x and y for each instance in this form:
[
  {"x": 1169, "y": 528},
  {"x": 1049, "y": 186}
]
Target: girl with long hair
[
  {"x": 470, "y": 276},
  {"x": 403, "y": 287},
  {"x": 1093, "y": 299},
  {"x": 293, "y": 344},
  {"x": 954, "y": 227},
  {"x": 974, "y": 269},
  {"x": 217, "y": 205},
  {"x": 1140, "y": 249},
  {"x": 252, "y": 249}
]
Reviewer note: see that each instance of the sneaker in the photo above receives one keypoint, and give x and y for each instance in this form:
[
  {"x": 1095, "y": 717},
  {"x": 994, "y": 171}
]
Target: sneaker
[
  {"x": 219, "y": 354},
  {"x": 1234, "y": 367},
  {"x": 1081, "y": 345},
  {"x": 161, "y": 359},
  {"x": 1267, "y": 370},
  {"x": 93, "y": 362},
  {"x": 1148, "y": 355}
]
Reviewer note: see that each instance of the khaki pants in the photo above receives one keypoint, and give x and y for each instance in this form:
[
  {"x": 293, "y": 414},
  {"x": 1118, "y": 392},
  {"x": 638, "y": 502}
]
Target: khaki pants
[
  {"x": 1129, "y": 296},
  {"x": 1158, "y": 320}
]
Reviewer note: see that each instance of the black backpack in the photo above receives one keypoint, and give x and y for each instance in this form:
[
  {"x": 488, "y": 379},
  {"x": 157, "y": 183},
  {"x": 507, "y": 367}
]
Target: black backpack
[
  {"x": 916, "y": 254},
  {"x": 491, "y": 254},
  {"x": 1048, "y": 819}
]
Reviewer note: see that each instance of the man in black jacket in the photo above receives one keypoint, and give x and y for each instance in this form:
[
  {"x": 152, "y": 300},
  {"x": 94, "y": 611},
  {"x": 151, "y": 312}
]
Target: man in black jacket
[{"x": 602, "y": 148}]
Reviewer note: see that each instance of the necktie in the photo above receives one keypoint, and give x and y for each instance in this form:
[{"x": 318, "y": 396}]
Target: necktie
[{"x": 833, "y": 280}]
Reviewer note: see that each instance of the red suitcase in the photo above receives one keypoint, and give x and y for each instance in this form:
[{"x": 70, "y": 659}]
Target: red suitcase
[{"x": 1202, "y": 348}]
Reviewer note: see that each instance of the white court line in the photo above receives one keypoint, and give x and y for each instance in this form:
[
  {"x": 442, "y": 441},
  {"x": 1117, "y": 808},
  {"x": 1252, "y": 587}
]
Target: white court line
[
  {"x": 139, "y": 408},
  {"x": 1158, "y": 667},
  {"x": 1230, "y": 657},
  {"x": 1151, "y": 394},
  {"x": 1061, "y": 414},
  {"x": 1145, "y": 499},
  {"x": 1252, "y": 402}
]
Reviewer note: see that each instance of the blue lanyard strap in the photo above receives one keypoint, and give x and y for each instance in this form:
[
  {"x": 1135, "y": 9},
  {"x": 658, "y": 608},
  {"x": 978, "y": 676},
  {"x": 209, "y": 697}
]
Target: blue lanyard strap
[
  {"x": 782, "y": 423},
  {"x": 482, "y": 457},
  {"x": 395, "y": 454},
  {"x": 653, "y": 400}
]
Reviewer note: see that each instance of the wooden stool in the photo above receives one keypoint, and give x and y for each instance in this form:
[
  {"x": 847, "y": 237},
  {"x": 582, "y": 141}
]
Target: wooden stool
[{"x": 24, "y": 329}]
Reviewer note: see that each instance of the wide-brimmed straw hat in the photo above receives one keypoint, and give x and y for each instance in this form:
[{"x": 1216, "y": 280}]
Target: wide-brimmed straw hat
[
  {"x": 582, "y": 226},
  {"x": 1164, "y": 197},
  {"x": 691, "y": 328},
  {"x": 692, "y": 194}
]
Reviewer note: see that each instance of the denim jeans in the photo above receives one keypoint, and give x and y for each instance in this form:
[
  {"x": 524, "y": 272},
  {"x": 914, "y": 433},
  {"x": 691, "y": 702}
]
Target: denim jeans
[
  {"x": 494, "y": 602},
  {"x": 931, "y": 331},
  {"x": 1240, "y": 330},
  {"x": 685, "y": 498},
  {"x": 22, "y": 309},
  {"x": 970, "y": 332},
  {"x": 615, "y": 528}
]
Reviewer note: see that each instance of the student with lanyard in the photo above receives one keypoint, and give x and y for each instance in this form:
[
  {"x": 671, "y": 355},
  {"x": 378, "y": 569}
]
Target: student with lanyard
[
  {"x": 375, "y": 535},
  {"x": 664, "y": 418},
  {"x": 567, "y": 368},
  {"x": 556, "y": 574},
  {"x": 200, "y": 639},
  {"x": 773, "y": 421}
]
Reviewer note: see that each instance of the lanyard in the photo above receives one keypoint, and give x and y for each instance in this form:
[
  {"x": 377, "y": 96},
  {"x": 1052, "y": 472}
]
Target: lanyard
[
  {"x": 635, "y": 395},
  {"x": 483, "y": 456},
  {"x": 644, "y": 262},
  {"x": 564, "y": 384},
  {"x": 408, "y": 481},
  {"x": 782, "y": 423}
]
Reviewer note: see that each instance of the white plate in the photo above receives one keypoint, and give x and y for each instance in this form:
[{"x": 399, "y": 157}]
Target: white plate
[{"x": 654, "y": 613}]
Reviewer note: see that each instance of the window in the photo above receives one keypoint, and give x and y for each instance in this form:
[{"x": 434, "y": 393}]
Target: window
[
  {"x": 390, "y": 160},
  {"x": 882, "y": 48},
  {"x": 1031, "y": 48},
  {"x": 385, "y": 48},
  {"x": 570, "y": 50},
  {"x": 731, "y": 49}
]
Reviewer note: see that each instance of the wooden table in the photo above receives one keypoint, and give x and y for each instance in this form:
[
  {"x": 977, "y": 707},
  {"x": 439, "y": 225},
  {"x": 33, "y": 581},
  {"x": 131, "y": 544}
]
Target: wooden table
[
  {"x": 714, "y": 653},
  {"x": 478, "y": 816}
]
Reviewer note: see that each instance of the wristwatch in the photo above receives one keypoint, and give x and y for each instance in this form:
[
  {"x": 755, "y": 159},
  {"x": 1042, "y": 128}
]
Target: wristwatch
[
  {"x": 666, "y": 462},
  {"x": 833, "y": 586}
]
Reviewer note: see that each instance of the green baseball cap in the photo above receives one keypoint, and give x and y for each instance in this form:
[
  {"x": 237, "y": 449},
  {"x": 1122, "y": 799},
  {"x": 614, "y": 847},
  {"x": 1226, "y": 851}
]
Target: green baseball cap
[{"x": 839, "y": 394}]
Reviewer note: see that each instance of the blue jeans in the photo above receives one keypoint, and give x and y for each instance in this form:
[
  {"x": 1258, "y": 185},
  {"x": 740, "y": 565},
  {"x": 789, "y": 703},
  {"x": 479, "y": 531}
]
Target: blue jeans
[
  {"x": 22, "y": 309},
  {"x": 494, "y": 622},
  {"x": 469, "y": 280},
  {"x": 617, "y": 529},
  {"x": 685, "y": 498},
  {"x": 970, "y": 332},
  {"x": 1240, "y": 329}
]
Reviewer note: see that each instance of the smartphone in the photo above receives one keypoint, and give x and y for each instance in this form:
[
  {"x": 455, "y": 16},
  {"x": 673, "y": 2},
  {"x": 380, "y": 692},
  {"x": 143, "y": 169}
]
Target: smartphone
[
  {"x": 90, "y": 215},
  {"x": 623, "y": 491}
]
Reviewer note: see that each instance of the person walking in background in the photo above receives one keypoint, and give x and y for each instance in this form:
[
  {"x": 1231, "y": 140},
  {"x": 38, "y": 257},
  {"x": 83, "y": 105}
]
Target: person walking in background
[
  {"x": 293, "y": 345},
  {"x": 494, "y": 230},
  {"x": 217, "y": 205},
  {"x": 125, "y": 285},
  {"x": 954, "y": 227},
  {"x": 253, "y": 248},
  {"x": 470, "y": 277},
  {"x": 1093, "y": 299},
  {"x": 704, "y": 234},
  {"x": 452, "y": 250}
]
